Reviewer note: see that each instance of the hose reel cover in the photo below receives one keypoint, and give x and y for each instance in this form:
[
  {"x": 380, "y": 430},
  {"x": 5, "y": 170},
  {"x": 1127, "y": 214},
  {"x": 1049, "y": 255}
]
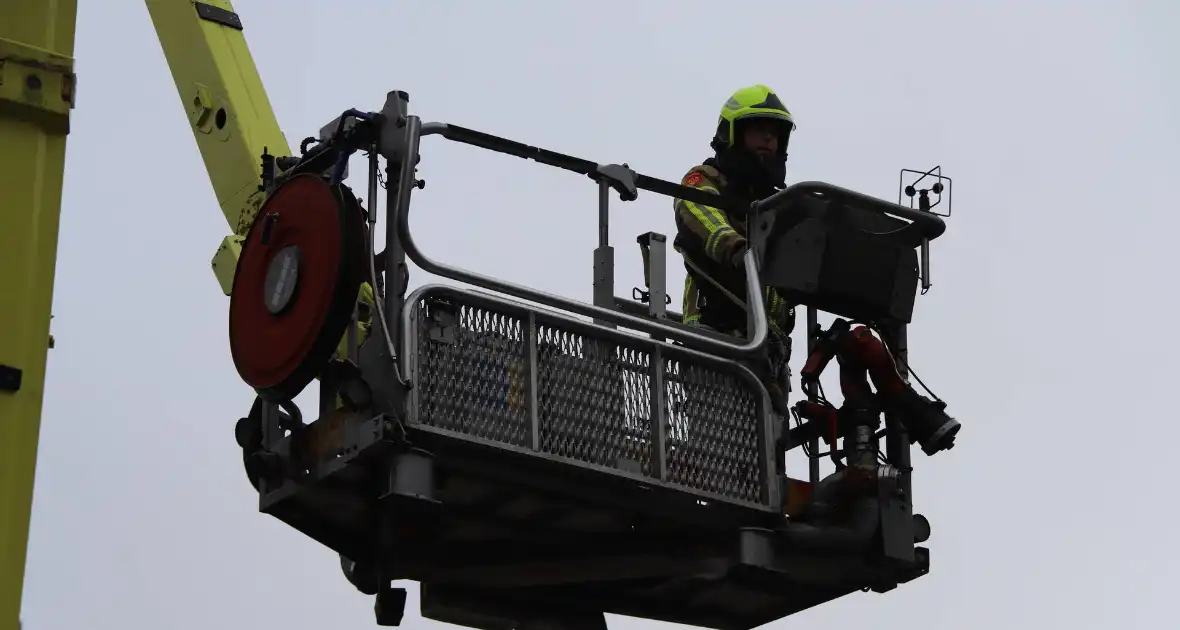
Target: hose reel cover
[{"x": 296, "y": 285}]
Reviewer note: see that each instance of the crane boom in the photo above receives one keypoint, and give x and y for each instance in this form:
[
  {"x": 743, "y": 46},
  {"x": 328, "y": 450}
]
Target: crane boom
[
  {"x": 232, "y": 121},
  {"x": 36, "y": 96},
  {"x": 226, "y": 106}
]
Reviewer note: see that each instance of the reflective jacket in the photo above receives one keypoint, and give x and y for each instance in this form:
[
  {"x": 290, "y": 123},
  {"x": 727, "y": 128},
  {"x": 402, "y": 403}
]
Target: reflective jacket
[{"x": 708, "y": 239}]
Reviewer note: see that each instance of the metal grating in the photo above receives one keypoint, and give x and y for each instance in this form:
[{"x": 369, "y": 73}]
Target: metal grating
[
  {"x": 472, "y": 374},
  {"x": 713, "y": 441},
  {"x": 594, "y": 395},
  {"x": 593, "y": 400}
]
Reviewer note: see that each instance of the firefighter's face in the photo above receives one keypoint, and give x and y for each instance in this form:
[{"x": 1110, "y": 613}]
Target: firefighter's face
[{"x": 760, "y": 136}]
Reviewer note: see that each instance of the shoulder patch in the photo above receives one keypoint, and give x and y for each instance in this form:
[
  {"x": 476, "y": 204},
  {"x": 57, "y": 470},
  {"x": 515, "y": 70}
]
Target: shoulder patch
[
  {"x": 709, "y": 171},
  {"x": 693, "y": 179}
]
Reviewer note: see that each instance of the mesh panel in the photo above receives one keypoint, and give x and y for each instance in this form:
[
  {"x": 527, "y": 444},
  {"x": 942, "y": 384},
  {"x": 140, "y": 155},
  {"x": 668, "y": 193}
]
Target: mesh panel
[
  {"x": 472, "y": 375},
  {"x": 594, "y": 399},
  {"x": 713, "y": 439}
]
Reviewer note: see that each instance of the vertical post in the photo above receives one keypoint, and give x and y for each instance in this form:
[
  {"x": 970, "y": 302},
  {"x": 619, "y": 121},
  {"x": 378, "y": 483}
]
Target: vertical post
[
  {"x": 924, "y": 206},
  {"x": 658, "y": 416},
  {"x": 36, "y": 96},
  {"x": 271, "y": 417},
  {"x": 897, "y": 441},
  {"x": 272, "y": 429},
  {"x": 397, "y": 275},
  {"x": 603, "y": 213},
  {"x": 532, "y": 359},
  {"x": 754, "y": 230},
  {"x": 604, "y": 255},
  {"x": 657, "y": 280},
  {"x": 897, "y": 507},
  {"x": 813, "y": 443},
  {"x": 397, "y": 141}
]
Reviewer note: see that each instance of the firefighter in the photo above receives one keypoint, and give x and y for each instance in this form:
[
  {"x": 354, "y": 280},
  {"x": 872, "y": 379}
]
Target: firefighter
[{"x": 749, "y": 163}]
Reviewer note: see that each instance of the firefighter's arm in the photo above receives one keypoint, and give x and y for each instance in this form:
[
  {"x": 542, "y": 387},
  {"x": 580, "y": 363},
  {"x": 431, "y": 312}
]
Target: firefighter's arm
[{"x": 710, "y": 224}]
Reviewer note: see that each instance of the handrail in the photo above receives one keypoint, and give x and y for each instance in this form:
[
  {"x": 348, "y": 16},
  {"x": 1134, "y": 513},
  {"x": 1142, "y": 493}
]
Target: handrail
[
  {"x": 415, "y": 129},
  {"x": 763, "y": 419},
  {"x": 930, "y": 225},
  {"x": 464, "y": 294},
  {"x": 581, "y": 166}
]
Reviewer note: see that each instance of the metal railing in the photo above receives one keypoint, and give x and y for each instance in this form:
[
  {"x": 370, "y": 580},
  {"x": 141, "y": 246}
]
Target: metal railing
[
  {"x": 490, "y": 369},
  {"x": 624, "y": 179}
]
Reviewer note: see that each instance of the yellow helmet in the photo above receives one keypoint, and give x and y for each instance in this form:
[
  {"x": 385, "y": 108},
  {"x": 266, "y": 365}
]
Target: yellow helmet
[{"x": 755, "y": 101}]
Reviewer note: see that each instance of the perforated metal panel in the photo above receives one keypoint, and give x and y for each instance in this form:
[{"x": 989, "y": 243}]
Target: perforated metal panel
[
  {"x": 593, "y": 396},
  {"x": 593, "y": 401},
  {"x": 471, "y": 374},
  {"x": 714, "y": 442}
]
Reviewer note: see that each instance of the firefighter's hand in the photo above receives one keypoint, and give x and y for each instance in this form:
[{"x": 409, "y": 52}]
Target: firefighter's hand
[{"x": 738, "y": 259}]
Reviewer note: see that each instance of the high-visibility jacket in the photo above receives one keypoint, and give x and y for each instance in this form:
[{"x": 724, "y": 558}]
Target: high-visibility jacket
[{"x": 710, "y": 239}]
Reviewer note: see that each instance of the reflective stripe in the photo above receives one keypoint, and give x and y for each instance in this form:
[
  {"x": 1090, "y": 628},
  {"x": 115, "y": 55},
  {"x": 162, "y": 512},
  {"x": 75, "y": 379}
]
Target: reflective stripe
[
  {"x": 709, "y": 216},
  {"x": 712, "y": 219},
  {"x": 688, "y": 309},
  {"x": 715, "y": 238}
]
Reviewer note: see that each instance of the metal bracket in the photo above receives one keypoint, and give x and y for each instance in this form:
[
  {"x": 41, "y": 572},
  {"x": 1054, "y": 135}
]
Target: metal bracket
[
  {"x": 391, "y": 143},
  {"x": 444, "y": 323},
  {"x": 10, "y": 378},
  {"x": 657, "y": 284},
  {"x": 37, "y": 85},
  {"x": 217, "y": 15},
  {"x": 619, "y": 177}
]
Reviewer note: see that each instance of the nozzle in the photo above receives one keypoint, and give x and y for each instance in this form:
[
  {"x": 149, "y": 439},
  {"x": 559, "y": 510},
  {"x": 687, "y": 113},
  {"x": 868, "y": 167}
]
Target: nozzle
[
  {"x": 929, "y": 423},
  {"x": 938, "y": 430},
  {"x": 942, "y": 438}
]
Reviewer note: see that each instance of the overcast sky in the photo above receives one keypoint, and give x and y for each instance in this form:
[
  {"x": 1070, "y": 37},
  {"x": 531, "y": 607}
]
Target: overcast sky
[{"x": 1045, "y": 331}]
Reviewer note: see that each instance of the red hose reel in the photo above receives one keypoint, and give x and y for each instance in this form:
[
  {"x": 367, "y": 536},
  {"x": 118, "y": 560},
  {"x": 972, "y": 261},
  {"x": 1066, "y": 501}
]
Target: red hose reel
[{"x": 296, "y": 285}]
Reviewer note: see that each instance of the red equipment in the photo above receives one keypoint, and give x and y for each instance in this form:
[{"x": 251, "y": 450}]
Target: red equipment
[
  {"x": 296, "y": 285},
  {"x": 864, "y": 357}
]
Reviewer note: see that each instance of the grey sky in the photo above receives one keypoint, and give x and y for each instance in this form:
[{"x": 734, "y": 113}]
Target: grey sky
[{"x": 1055, "y": 119}]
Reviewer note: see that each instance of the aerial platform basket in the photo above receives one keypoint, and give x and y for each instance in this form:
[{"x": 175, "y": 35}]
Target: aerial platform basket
[{"x": 530, "y": 467}]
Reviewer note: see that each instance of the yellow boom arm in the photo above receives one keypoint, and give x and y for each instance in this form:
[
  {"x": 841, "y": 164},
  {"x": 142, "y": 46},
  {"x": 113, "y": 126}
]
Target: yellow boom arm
[
  {"x": 232, "y": 121},
  {"x": 36, "y": 96},
  {"x": 228, "y": 110}
]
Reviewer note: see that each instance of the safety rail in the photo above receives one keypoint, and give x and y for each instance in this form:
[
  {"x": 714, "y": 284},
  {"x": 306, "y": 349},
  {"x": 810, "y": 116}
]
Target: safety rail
[
  {"x": 923, "y": 225},
  {"x": 493, "y": 370},
  {"x": 622, "y": 179}
]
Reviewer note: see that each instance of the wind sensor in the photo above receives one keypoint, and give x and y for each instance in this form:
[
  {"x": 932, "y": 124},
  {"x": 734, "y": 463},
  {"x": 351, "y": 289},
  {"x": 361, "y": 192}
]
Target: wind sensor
[{"x": 924, "y": 205}]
